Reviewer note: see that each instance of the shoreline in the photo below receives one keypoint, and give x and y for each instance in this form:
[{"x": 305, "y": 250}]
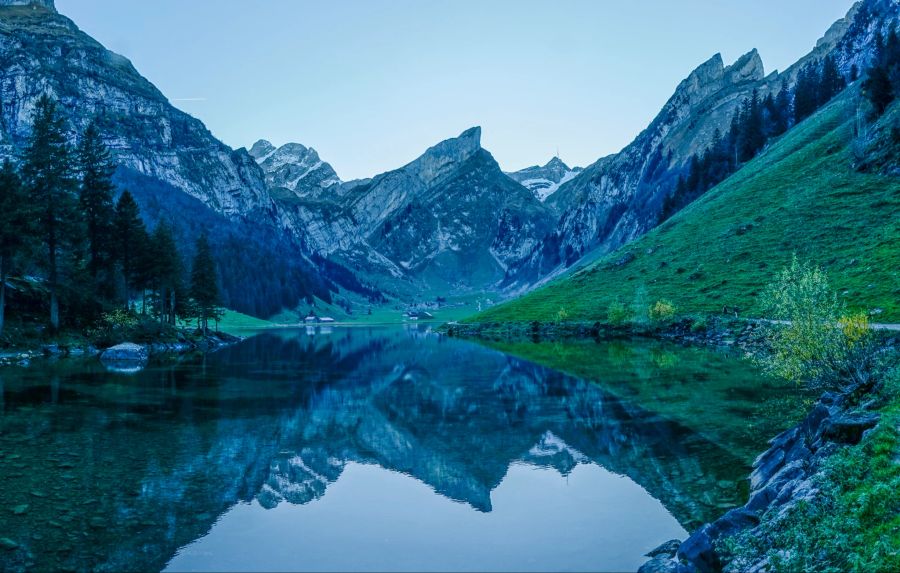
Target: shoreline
[
  {"x": 783, "y": 475},
  {"x": 23, "y": 357}
]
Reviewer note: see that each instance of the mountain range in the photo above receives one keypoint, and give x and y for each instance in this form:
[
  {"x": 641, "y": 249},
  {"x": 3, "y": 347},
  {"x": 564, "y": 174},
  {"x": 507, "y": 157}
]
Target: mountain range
[{"x": 450, "y": 222}]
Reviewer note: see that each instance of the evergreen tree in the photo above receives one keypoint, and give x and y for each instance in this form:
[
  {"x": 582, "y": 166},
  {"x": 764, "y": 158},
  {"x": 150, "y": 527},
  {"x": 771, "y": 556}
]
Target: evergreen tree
[
  {"x": 166, "y": 270},
  {"x": 806, "y": 92},
  {"x": 877, "y": 88},
  {"x": 752, "y": 135},
  {"x": 832, "y": 82},
  {"x": 204, "y": 286},
  {"x": 96, "y": 198},
  {"x": 131, "y": 242},
  {"x": 47, "y": 174},
  {"x": 16, "y": 226},
  {"x": 783, "y": 105}
]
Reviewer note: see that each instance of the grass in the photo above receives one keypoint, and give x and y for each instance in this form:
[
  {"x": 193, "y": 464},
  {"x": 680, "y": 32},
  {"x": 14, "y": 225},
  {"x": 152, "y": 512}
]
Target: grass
[
  {"x": 236, "y": 323},
  {"x": 802, "y": 195}
]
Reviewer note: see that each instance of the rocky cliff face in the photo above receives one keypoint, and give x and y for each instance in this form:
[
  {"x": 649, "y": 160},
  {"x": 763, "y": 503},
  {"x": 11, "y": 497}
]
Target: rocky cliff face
[
  {"x": 47, "y": 4},
  {"x": 449, "y": 220},
  {"x": 45, "y": 53},
  {"x": 618, "y": 198},
  {"x": 543, "y": 181},
  {"x": 295, "y": 168},
  {"x": 172, "y": 164}
]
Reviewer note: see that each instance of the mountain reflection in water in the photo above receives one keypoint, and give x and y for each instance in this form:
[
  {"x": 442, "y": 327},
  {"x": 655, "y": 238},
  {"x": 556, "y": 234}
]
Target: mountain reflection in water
[{"x": 120, "y": 471}]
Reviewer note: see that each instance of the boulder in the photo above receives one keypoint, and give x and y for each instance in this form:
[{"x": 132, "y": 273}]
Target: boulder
[
  {"x": 125, "y": 352},
  {"x": 667, "y": 549},
  {"x": 659, "y": 565},
  {"x": 849, "y": 428}
]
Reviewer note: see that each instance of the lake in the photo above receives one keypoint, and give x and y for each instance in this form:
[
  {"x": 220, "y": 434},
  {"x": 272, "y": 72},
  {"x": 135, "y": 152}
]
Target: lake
[{"x": 375, "y": 449}]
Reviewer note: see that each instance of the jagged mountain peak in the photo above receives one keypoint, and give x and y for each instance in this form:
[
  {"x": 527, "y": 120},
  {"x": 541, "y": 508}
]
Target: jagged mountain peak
[
  {"x": 748, "y": 67},
  {"x": 544, "y": 180},
  {"x": 446, "y": 155},
  {"x": 556, "y": 163},
  {"x": 261, "y": 148},
  {"x": 295, "y": 167},
  {"x": 48, "y": 4}
]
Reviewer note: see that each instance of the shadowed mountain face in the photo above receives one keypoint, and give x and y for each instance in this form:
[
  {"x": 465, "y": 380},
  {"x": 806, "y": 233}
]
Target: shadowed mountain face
[{"x": 142, "y": 465}]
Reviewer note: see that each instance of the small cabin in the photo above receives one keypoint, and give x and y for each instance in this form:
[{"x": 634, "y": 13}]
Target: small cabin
[
  {"x": 310, "y": 319},
  {"x": 326, "y": 319}
]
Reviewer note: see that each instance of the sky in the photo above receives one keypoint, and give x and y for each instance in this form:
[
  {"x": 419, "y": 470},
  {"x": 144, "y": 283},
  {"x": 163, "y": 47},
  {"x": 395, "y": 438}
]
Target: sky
[{"x": 370, "y": 84}]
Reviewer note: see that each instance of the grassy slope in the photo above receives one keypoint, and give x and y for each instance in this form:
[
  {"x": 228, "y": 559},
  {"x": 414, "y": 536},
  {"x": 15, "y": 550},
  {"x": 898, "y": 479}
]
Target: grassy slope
[
  {"x": 801, "y": 195},
  {"x": 238, "y": 324}
]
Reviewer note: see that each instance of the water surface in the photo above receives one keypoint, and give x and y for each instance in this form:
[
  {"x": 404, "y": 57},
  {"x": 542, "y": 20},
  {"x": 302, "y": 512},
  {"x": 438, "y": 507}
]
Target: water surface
[{"x": 362, "y": 449}]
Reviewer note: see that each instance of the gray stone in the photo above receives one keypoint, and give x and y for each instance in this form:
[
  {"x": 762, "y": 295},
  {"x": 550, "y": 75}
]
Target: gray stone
[
  {"x": 125, "y": 352},
  {"x": 659, "y": 565},
  {"x": 667, "y": 549},
  {"x": 849, "y": 428}
]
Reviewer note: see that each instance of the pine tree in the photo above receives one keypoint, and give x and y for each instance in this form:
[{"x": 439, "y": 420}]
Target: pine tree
[
  {"x": 96, "y": 198},
  {"x": 831, "y": 83},
  {"x": 131, "y": 243},
  {"x": 783, "y": 105},
  {"x": 806, "y": 92},
  {"x": 877, "y": 88},
  {"x": 204, "y": 286},
  {"x": 753, "y": 136},
  {"x": 16, "y": 227},
  {"x": 47, "y": 174},
  {"x": 166, "y": 270}
]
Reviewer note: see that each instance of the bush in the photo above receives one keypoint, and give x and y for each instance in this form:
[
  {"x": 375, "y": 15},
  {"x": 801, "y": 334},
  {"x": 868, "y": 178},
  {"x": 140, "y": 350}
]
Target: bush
[
  {"x": 817, "y": 341},
  {"x": 617, "y": 313},
  {"x": 662, "y": 311},
  {"x": 562, "y": 315}
]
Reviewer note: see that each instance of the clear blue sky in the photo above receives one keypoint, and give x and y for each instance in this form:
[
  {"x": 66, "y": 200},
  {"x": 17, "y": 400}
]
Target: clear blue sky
[{"x": 371, "y": 83}]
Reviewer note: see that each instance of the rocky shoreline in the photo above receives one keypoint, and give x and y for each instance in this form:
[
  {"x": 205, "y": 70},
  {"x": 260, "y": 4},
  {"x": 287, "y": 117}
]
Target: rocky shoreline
[
  {"x": 782, "y": 476},
  {"x": 124, "y": 352}
]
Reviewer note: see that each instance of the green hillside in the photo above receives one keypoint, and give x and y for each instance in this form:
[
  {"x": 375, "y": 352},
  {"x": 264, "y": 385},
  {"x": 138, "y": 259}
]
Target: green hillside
[{"x": 802, "y": 195}]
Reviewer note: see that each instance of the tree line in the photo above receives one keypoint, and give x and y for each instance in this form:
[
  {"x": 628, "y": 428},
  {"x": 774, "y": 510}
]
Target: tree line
[
  {"x": 756, "y": 121},
  {"x": 882, "y": 84},
  {"x": 59, "y": 218}
]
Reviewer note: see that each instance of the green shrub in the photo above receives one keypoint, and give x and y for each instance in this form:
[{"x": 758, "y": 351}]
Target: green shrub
[
  {"x": 662, "y": 311},
  {"x": 617, "y": 313},
  {"x": 816, "y": 341}
]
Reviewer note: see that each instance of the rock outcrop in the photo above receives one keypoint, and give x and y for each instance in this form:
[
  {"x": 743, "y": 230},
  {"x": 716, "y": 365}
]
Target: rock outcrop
[{"x": 783, "y": 476}]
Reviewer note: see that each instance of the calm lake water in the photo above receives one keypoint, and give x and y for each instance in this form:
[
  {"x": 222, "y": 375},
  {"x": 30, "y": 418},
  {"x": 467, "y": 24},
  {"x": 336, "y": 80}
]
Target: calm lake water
[{"x": 368, "y": 449}]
